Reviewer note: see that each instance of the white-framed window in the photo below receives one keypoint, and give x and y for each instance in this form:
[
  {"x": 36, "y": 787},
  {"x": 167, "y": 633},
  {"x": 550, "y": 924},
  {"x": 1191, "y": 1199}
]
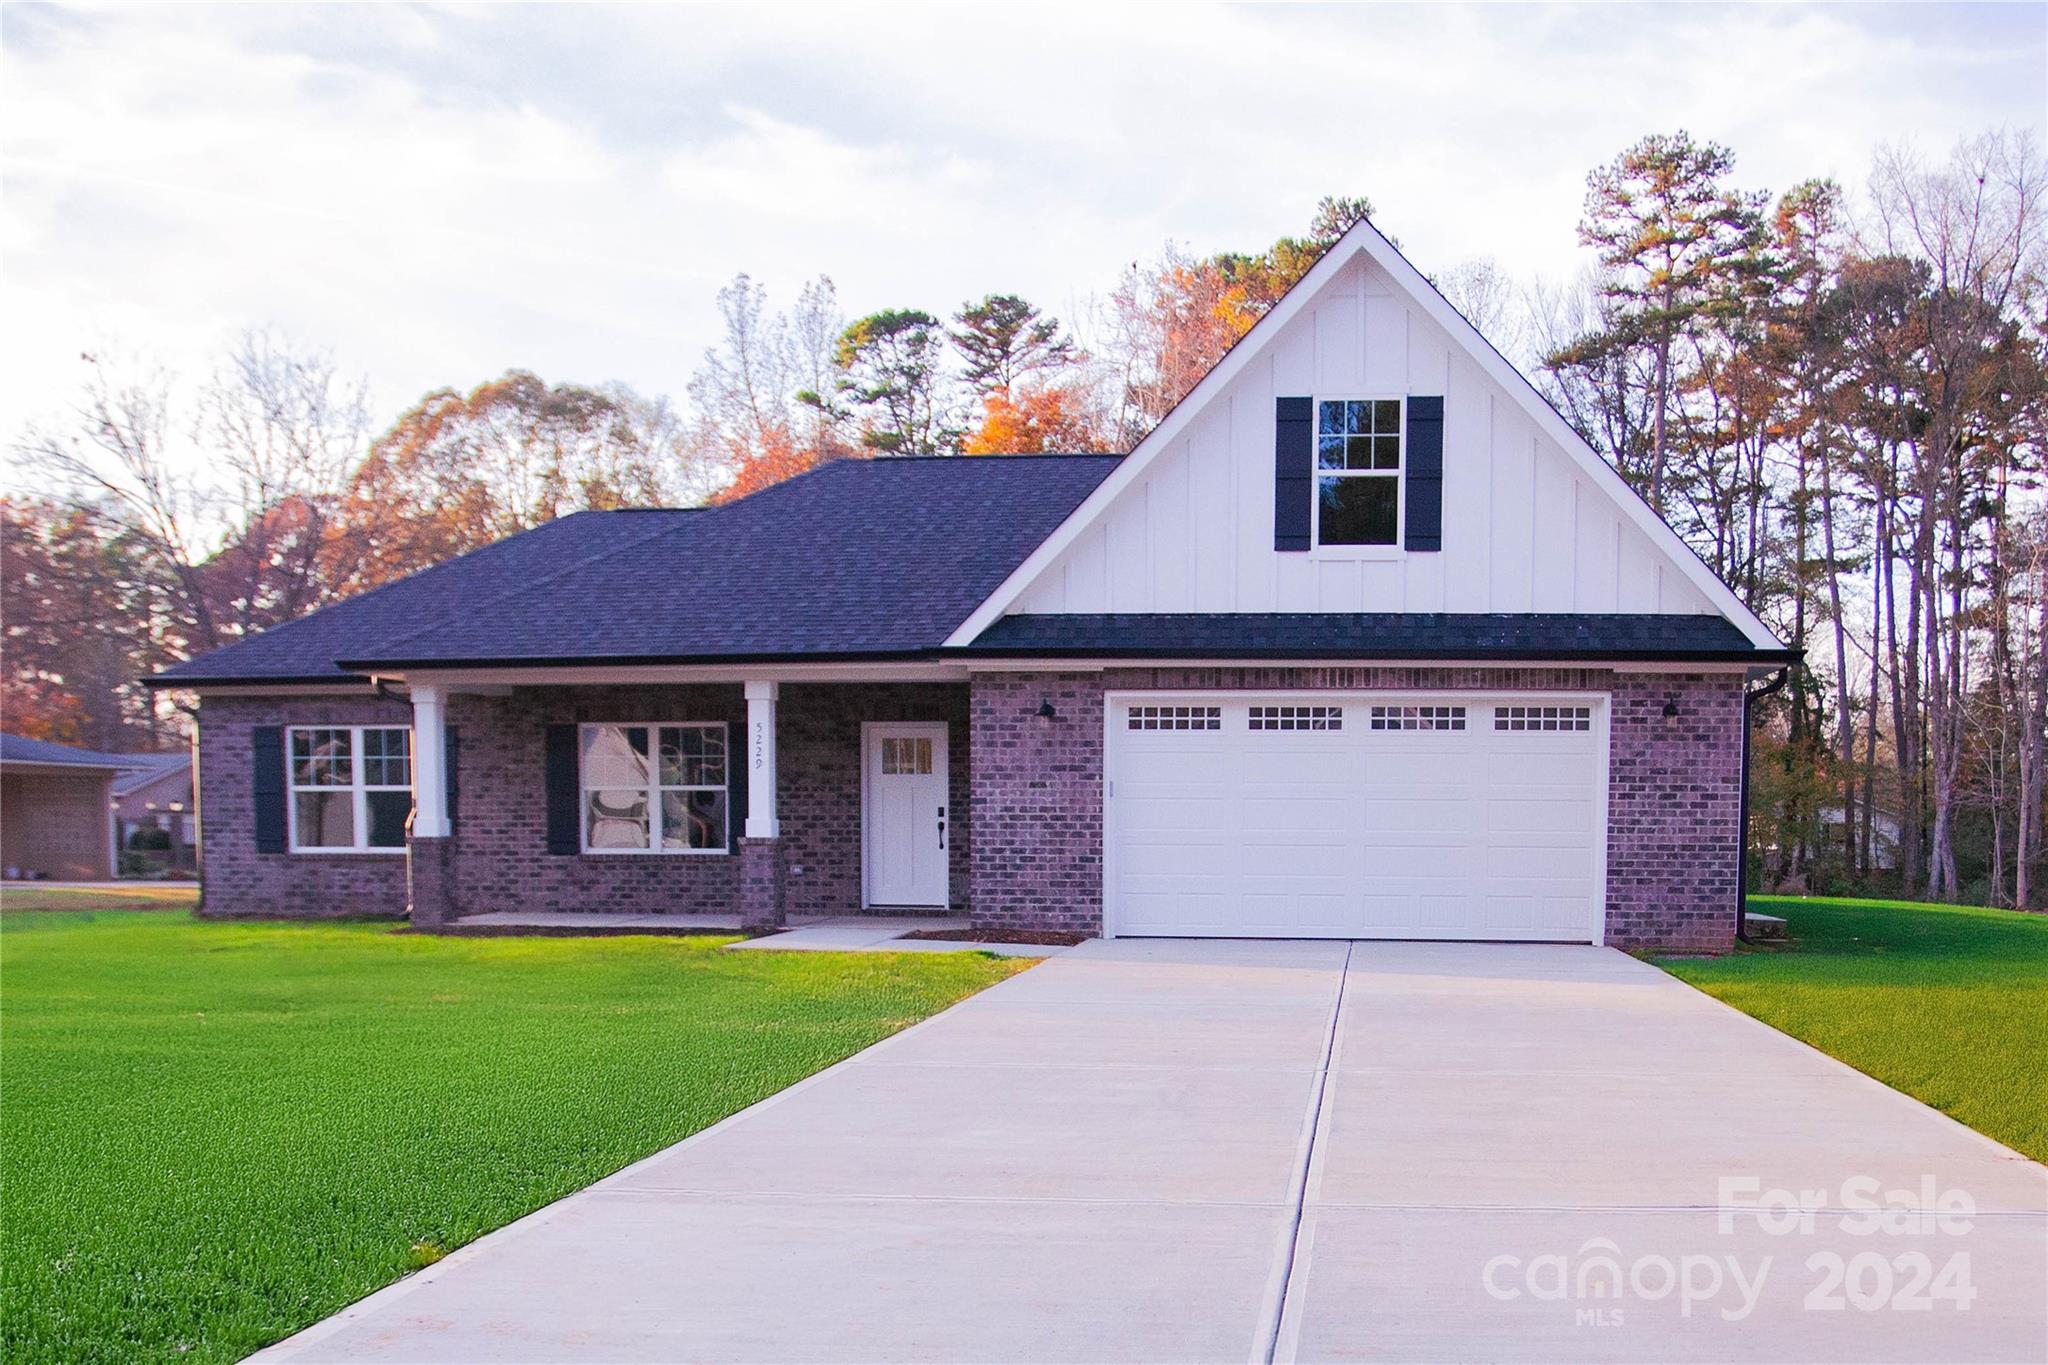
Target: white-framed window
[
  {"x": 1297, "y": 718},
  {"x": 1358, "y": 472},
  {"x": 351, "y": 788},
  {"x": 1542, "y": 717},
  {"x": 1418, "y": 718},
  {"x": 654, "y": 788},
  {"x": 1176, "y": 718}
]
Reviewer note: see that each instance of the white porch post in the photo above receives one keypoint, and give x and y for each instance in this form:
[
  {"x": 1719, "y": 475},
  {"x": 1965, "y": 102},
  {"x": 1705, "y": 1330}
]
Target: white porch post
[
  {"x": 429, "y": 761},
  {"x": 760, "y": 761}
]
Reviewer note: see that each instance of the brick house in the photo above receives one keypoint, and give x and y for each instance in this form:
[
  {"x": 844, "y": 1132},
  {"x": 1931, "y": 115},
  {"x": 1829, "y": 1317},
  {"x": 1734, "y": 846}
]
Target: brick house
[{"x": 1362, "y": 641}]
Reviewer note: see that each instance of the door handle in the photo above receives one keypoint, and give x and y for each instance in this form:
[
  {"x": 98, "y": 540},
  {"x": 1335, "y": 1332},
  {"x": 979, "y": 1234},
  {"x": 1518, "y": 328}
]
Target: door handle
[{"x": 942, "y": 826}]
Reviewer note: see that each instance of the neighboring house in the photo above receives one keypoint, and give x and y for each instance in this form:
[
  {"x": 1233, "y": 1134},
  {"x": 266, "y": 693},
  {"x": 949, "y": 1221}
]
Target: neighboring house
[
  {"x": 1362, "y": 641},
  {"x": 56, "y": 810},
  {"x": 155, "y": 813},
  {"x": 1884, "y": 834}
]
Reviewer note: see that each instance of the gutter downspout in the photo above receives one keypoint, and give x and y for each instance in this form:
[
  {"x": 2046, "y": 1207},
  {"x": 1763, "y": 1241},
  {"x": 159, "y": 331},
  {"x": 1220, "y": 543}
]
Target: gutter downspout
[{"x": 1750, "y": 697}]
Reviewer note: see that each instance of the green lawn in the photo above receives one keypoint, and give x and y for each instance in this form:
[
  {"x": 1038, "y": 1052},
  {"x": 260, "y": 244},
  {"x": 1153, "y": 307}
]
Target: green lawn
[
  {"x": 1948, "y": 1003},
  {"x": 212, "y": 1134}
]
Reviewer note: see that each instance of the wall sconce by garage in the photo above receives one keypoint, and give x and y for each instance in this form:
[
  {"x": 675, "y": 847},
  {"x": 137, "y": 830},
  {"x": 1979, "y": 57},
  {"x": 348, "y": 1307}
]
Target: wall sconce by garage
[
  {"x": 1671, "y": 708},
  {"x": 1046, "y": 715}
]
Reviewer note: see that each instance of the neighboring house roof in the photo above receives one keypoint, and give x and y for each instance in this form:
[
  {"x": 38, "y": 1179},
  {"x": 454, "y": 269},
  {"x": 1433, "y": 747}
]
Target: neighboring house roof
[
  {"x": 857, "y": 559},
  {"x": 21, "y": 749},
  {"x": 149, "y": 769},
  {"x": 1375, "y": 635}
]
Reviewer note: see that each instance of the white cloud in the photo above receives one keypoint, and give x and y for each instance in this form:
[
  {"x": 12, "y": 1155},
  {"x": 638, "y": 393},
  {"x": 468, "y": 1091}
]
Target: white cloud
[{"x": 441, "y": 194}]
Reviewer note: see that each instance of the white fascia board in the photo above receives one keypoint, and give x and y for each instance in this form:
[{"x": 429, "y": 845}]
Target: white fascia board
[
  {"x": 1364, "y": 238},
  {"x": 1105, "y": 664},
  {"x": 474, "y": 679}
]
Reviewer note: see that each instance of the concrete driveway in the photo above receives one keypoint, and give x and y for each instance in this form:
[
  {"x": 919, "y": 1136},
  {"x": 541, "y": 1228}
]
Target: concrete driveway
[{"x": 1177, "y": 1151}]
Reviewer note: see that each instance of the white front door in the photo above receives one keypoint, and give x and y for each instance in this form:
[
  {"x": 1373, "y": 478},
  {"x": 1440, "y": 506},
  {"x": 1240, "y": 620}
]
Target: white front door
[{"x": 905, "y": 781}]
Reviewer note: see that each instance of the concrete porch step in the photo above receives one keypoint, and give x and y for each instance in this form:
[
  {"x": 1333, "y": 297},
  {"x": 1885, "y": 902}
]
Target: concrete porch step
[{"x": 595, "y": 923}]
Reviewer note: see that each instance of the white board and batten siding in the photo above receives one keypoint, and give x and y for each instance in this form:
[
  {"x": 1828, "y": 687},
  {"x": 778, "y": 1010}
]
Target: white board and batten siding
[{"x": 1525, "y": 529}]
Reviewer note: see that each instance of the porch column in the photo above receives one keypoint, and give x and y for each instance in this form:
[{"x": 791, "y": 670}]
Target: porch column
[
  {"x": 761, "y": 872},
  {"x": 429, "y": 761},
  {"x": 760, "y": 760},
  {"x": 429, "y": 855}
]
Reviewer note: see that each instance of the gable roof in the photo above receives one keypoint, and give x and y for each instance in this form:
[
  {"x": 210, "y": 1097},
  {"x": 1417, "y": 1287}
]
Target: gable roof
[
  {"x": 857, "y": 559},
  {"x": 1365, "y": 240},
  {"x": 149, "y": 769},
  {"x": 22, "y": 749}
]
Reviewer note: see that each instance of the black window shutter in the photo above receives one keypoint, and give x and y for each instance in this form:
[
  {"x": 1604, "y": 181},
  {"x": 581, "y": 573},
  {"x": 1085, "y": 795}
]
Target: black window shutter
[
  {"x": 266, "y": 745},
  {"x": 735, "y": 785},
  {"x": 1425, "y": 457},
  {"x": 452, "y": 785},
  {"x": 1293, "y": 471},
  {"x": 563, "y": 796}
]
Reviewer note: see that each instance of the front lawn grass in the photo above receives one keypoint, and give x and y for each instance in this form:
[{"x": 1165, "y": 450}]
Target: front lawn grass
[
  {"x": 1948, "y": 1003},
  {"x": 119, "y": 896},
  {"x": 213, "y": 1134}
]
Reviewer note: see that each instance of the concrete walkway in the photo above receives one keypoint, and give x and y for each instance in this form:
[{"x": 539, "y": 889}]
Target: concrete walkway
[{"x": 1175, "y": 1151}]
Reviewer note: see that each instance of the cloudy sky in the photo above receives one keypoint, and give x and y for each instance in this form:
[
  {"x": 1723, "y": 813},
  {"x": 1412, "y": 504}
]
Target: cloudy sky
[{"x": 438, "y": 194}]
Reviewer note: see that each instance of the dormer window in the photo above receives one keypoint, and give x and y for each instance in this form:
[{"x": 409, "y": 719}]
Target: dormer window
[{"x": 1358, "y": 471}]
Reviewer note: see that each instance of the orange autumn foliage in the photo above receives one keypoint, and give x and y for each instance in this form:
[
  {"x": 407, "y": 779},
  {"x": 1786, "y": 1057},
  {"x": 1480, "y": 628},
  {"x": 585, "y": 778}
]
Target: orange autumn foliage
[
  {"x": 779, "y": 458},
  {"x": 1032, "y": 422}
]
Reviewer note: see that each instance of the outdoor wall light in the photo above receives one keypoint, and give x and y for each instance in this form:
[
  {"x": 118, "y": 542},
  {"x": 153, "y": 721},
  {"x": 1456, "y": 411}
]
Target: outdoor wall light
[
  {"x": 1671, "y": 708},
  {"x": 1045, "y": 711}
]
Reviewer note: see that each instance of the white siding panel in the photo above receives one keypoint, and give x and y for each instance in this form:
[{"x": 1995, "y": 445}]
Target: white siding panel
[
  {"x": 1593, "y": 581},
  {"x": 1088, "y": 583},
  {"x": 1553, "y": 536},
  {"x": 1216, "y": 526},
  {"x": 1524, "y": 529},
  {"x": 1386, "y": 344},
  {"x": 1514, "y": 492},
  {"x": 1340, "y": 349}
]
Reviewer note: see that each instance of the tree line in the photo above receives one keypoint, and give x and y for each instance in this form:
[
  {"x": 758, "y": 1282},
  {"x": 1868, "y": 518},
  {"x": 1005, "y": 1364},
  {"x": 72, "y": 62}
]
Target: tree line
[{"x": 1835, "y": 396}]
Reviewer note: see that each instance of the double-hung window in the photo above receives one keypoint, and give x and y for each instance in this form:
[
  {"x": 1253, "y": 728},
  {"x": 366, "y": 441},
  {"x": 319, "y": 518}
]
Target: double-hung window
[
  {"x": 351, "y": 788},
  {"x": 654, "y": 788},
  {"x": 1358, "y": 471}
]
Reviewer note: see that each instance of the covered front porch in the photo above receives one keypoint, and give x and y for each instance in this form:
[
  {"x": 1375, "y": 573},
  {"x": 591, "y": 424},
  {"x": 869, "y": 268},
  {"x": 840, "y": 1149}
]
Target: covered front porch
[{"x": 682, "y": 795}]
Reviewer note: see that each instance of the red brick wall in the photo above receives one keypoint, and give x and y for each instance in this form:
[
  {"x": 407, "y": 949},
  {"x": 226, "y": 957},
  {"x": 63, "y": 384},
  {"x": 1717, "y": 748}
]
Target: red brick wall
[
  {"x": 1671, "y": 813},
  {"x": 1034, "y": 854},
  {"x": 235, "y": 878},
  {"x": 1037, "y": 802},
  {"x": 500, "y": 859}
]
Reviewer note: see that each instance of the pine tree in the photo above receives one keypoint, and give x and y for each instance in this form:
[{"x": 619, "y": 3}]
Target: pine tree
[{"x": 1003, "y": 338}]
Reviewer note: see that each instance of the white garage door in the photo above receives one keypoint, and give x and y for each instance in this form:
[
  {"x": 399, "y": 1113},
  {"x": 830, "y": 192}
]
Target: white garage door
[{"x": 1356, "y": 816}]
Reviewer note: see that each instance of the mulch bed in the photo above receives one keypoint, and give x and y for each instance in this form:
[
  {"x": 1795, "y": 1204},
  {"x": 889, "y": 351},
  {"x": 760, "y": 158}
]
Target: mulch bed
[{"x": 1042, "y": 938}]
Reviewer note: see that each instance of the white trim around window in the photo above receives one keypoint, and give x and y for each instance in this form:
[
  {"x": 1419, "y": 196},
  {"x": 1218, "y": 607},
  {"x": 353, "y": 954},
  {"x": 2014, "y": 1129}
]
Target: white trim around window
[
  {"x": 1353, "y": 442},
  {"x": 654, "y": 787},
  {"x": 349, "y": 787}
]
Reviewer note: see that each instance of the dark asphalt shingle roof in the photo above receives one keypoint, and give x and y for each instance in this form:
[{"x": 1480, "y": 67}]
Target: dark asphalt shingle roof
[
  {"x": 1373, "y": 635},
  {"x": 21, "y": 749},
  {"x": 858, "y": 558},
  {"x": 308, "y": 649},
  {"x": 150, "y": 768}
]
